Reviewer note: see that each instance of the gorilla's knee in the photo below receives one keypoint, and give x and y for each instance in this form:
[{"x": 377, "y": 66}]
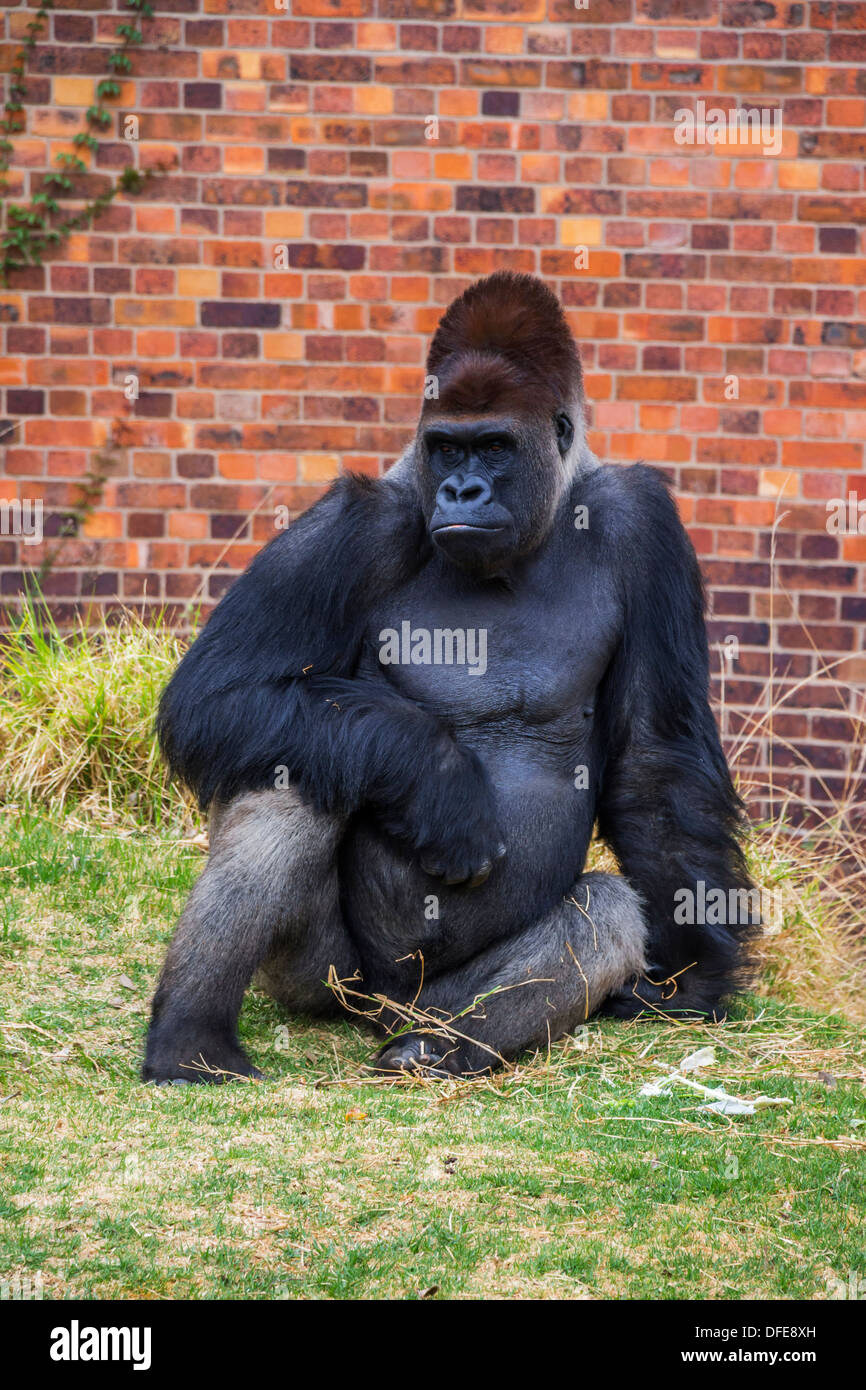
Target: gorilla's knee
[
  {"x": 618, "y": 909},
  {"x": 615, "y": 908},
  {"x": 268, "y": 897}
]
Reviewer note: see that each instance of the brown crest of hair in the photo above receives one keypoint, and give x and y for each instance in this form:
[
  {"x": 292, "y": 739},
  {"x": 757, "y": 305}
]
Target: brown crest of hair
[{"x": 505, "y": 339}]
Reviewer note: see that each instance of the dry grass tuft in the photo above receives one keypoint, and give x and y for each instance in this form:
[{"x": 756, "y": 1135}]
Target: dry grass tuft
[
  {"x": 814, "y": 952},
  {"x": 76, "y": 719},
  {"x": 809, "y": 860}
]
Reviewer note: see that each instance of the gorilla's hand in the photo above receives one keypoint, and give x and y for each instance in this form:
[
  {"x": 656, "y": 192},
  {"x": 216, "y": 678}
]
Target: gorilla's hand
[{"x": 449, "y": 818}]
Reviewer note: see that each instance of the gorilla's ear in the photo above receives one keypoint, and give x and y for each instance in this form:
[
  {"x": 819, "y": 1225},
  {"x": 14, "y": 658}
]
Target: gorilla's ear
[{"x": 564, "y": 431}]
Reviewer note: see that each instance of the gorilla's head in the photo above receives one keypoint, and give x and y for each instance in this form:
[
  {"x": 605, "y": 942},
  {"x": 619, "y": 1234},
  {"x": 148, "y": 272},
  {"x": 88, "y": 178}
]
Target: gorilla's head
[{"x": 501, "y": 433}]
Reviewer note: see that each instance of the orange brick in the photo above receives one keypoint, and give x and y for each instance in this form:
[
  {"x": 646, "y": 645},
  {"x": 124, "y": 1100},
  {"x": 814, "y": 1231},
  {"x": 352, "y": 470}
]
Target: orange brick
[
  {"x": 450, "y": 165},
  {"x": 376, "y": 36},
  {"x": 284, "y": 224},
  {"x": 155, "y": 221},
  {"x": 245, "y": 96},
  {"x": 191, "y": 526},
  {"x": 539, "y": 168},
  {"x": 56, "y": 148},
  {"x": 284, "y": 347},
  {"x": 193, "y": 283},
  {"x": 588, "y": 106},
  {"x": 48, "y": 120},
  {"x": 851, "y": 112},
  {"x": 755, "y": 173},
  {"x": 73, "y": 91},
  {"x": 504, "y": 38},
  {"x": 156, "y": 311},
  {"x": 782, "y": 422},
  {"x": 243, "y": 159},
  {"x": 316, "y": 468},
  {"x": 459, "y": 103},
  {"x": 156, "y": 342},
  {"x": 374, "y": 101},
  {"x": 799, "y": 174},
  {"x": 826, "y": 454},
  {"x": 580, "y": 231},
  {"x": 102, "y": 525}
]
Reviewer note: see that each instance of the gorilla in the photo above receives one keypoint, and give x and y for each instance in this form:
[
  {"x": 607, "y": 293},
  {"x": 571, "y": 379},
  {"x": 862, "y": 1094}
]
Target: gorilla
[{"x": 411, "y": 711}]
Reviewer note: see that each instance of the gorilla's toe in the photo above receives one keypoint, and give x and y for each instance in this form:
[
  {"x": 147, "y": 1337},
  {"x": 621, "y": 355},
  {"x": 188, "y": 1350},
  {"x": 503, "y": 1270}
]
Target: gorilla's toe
[{"x": 421, "y": 1054}]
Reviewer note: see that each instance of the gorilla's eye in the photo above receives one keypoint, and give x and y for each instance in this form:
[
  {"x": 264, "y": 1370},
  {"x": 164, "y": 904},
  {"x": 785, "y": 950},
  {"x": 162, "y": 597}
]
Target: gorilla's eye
[
  {"x": 446, "y": 449},
  {"x": 497, "y": 446}
]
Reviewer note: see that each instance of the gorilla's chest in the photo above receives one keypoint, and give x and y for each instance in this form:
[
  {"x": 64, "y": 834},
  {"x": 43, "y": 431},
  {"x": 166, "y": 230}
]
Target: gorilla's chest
[
  {"x": 531, "y": 656},
  {"x": 514, "y": 674}
]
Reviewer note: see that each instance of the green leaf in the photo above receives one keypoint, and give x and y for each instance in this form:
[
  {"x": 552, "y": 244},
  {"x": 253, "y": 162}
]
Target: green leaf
[{"x": 130, "y": 179}]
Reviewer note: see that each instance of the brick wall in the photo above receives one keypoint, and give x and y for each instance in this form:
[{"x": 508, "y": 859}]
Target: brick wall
[{"x": 273, "y": 294}]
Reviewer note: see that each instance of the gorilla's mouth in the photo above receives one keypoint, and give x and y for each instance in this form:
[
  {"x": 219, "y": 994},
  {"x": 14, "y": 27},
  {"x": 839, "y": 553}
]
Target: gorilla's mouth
[
  {"x": 472, "y": 544},
  {"x": 472, "y": 527}
]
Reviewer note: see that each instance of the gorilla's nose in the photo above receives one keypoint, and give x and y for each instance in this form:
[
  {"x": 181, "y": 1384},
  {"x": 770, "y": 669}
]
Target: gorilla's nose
[{"x": 471, "y": 490}]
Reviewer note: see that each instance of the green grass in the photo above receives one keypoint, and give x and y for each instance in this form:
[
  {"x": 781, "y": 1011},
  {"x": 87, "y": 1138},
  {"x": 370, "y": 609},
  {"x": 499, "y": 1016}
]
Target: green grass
[{"x": 556, "y": 1179}]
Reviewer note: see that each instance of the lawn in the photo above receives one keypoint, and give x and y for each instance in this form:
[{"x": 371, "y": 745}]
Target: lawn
[{"x": 556, "y": 1179}]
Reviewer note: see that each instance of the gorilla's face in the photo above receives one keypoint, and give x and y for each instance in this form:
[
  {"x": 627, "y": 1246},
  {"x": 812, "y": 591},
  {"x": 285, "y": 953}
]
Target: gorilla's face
[{"x": 491, "y": 485}]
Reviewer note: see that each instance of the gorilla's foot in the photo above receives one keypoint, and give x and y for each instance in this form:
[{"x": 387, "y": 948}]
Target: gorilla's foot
[
  {"x": 420, "y": 1054},
  {"x": 645, "y": 997},
  {"x": 189, "y": 1053}
]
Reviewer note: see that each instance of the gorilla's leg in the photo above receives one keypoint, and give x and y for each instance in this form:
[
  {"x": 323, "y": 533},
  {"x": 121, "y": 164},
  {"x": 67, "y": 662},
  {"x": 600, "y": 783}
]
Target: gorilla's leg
[
  {"x": 269, "y": 890},
  {"x": 550, "y": 978}
]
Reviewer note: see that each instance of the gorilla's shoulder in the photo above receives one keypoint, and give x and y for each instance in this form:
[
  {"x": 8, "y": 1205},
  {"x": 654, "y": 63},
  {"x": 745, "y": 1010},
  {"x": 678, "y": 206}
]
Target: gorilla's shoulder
[
  {"x": 356, "y": 515},
  {"x": 628, "y": 487},
  {"x": 631, "y": 505}
]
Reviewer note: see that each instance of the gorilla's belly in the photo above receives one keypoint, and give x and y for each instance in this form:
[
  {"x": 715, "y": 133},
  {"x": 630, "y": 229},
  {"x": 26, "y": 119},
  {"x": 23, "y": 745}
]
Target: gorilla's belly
[{"x": 394, "y": 909}]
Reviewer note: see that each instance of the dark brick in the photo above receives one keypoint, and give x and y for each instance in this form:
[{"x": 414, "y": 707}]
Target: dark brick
[
  {"x": 488, "y": 198},
  {"x": 23, "y": 402},
  {"x": 207, "y": 95},
  {"x": 237, "y": 314},
  {"x": 500, "y": 103}
]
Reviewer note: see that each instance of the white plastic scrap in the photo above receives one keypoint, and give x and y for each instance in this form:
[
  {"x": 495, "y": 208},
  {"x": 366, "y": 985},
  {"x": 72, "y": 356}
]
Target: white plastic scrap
[
  {"x": 704, "y": 1057},
  {"x": 732, "y": 1105},
  {"x": 721, "y": 1101}
]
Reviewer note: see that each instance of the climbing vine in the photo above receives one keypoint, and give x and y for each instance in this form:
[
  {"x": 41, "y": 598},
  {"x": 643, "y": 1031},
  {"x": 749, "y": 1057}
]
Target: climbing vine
[
  {"x": 43, "y": 224},
  {"x": 40, "y": 226},
  {"x": 12, "y": 122}
]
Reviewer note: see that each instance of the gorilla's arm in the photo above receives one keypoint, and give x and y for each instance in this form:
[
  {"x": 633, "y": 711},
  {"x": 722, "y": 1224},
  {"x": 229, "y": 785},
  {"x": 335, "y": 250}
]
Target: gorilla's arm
[
  {"x": 667, "y": 805},
  {"x": 269, "y": 684}
]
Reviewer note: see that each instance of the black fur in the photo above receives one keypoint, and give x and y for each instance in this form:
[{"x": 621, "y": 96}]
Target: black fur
[{"x": 666, "y": 805}]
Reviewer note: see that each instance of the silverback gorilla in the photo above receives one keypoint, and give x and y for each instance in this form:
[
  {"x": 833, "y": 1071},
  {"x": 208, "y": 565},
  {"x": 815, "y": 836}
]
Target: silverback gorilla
[{"x": 409, "y": 713}]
